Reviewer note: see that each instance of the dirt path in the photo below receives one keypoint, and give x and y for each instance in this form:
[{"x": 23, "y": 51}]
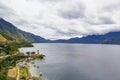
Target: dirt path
[{"x": 18, "y": 75}]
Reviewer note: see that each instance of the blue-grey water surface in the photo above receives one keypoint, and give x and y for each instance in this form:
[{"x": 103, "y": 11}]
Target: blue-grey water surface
[{"x": 77, "y": 61}]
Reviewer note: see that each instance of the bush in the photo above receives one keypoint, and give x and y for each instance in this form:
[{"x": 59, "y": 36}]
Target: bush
[{"x": 2, "y": 76}]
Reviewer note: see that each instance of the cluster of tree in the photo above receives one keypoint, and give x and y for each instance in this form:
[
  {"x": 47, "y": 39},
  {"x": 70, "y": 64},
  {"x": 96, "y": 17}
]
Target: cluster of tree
[
  {"x": 12, "y": 48},
  {"x": 9, "y": 57},
  {"x": 8, "y": 62},
  {"x": 28, "y": 53},
  {"x": 8, "y": 49},
  {"x": 24, "y": 44},
  {"x": 33, "y": 55}
]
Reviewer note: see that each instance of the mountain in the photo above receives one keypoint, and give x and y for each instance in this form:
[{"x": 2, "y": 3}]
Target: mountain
[
  {"x": 8, "y": 32},
  {"x": 109, "y": 38}
]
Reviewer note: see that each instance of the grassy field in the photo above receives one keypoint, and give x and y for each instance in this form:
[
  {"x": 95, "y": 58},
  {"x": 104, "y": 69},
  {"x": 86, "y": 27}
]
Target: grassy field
[
  {"x": 24, "y": 72},
  {"x": 2, "y": 39}
]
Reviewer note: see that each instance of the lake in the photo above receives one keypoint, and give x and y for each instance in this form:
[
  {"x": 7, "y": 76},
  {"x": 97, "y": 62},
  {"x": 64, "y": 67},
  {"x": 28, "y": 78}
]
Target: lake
[{"x": 77, "y": 61}]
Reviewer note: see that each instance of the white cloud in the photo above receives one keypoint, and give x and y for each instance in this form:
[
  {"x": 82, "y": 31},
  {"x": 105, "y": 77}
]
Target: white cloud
[{"x": 62, "y": 18}]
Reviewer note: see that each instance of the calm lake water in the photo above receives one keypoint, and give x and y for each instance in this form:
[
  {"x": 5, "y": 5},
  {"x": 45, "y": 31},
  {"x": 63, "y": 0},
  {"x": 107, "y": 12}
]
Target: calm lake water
[{"x": 77, "y": 61}]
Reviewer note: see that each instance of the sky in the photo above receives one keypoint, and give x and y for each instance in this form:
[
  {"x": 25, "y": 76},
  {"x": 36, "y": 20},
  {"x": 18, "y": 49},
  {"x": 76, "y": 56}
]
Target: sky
[{"x": 62, "y": 19}]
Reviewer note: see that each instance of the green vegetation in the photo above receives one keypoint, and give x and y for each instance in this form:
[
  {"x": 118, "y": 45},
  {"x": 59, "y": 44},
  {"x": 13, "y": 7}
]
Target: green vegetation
[
  {"x": 10, "y": 33},
  {"x": 10, "y": 56},
  {"x": 8, "y": 62},
  {"x": 24, "y": 44},
  {"x": 12, "y": 48},
  {"x": 24, "y": 72},
  {"x": 37, "y": 56},
  {"x": 33, "y": 55},
  {"x": 12, "y": 38},
  {"x": 8, "y": 49},
  {"x": 2, "y": 76},
  {"x": 38, "y": 78}
]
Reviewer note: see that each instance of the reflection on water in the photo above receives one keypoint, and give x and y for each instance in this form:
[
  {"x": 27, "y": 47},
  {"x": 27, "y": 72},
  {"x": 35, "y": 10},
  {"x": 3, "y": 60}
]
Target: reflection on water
[{"x": 77, "y": 61}]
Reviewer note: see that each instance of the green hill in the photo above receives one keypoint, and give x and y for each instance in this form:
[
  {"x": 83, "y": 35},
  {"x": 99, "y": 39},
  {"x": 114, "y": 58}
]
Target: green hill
[{"x": 9, "y": 32}]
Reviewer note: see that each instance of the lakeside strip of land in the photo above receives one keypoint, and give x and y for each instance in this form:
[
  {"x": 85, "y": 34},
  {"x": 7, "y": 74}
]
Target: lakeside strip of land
[
  {"x": 20, "y": 70},
  {"x": 10, "y": 67}
]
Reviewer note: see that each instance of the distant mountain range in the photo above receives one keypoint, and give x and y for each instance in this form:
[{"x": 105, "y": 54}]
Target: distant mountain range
[
  {"x": 109, "y": 38},
  {"x": 8, "y": 32}
]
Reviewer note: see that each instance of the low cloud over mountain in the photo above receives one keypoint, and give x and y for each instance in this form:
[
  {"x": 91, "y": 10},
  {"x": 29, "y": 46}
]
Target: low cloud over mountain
[{"x": 55, "y": 19}]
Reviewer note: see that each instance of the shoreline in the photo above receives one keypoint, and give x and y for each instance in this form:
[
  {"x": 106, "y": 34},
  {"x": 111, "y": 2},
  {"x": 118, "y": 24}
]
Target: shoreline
[
  {"x": 27, "y": 71},
  {"x": 21, "y": 70},
  {"x": 24, "y": 63}
]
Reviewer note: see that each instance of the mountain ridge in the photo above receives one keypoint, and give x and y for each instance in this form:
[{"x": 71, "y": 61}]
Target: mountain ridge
[
  {"x": 8, "y": 32},
  {"x": 108, "y": 38},
  {"x": 12, "y": 33}
]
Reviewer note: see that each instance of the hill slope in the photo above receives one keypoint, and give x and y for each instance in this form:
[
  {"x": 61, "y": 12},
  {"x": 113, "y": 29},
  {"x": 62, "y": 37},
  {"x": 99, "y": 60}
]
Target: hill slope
[
  {"x": 2, "y": 39},
  {"x": 11, "y": 33}
]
